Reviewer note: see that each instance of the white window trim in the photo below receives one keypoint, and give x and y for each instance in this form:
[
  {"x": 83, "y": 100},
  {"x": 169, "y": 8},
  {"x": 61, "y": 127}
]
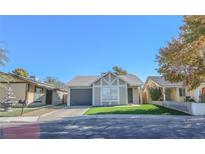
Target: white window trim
[
  {"x": 93, "y": 97},
  {"x": 101, "y": 92},
  {"x": 110, "y": 101},
  {"x": 106, "y": 81},
  {"x": 110, "y": 85},
  {"x": 118, "y": 83}
]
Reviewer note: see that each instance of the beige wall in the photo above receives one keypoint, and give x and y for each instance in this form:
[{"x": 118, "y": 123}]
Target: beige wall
[
  {"x": 190, "y": 93},
  {"x": 2, "y": 91},
  {"x": 19, "y": 90},
  {"x": 123, "y": 95},
  {"x": 31, "y": 95},
  {"x": 58, "y": 97},
  {"x": 173, "y": 94},
  {"x": 182, "y": 98},
  {"x": 176, "y": 97},
  {"x": 149, "y": 83},
  {"x": 96, "y": 96},
  {"x": 136, "y": 95},
  {"x": 147, "y": 97}
]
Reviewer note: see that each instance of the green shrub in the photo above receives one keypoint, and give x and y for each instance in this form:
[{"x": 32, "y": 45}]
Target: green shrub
[
  {"x": 155, "y": 93},
  {"x": 202, "y": 98}
]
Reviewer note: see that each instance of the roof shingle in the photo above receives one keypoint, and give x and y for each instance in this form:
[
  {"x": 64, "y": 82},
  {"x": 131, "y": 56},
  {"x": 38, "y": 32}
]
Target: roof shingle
[
  {"x": 162, "y": 82},
  {"x": 133, "y": 80},
  {"x": 12, "y": 78},
  {"x": 5, "y": 77},
  {"x": 82, "y": 81}
]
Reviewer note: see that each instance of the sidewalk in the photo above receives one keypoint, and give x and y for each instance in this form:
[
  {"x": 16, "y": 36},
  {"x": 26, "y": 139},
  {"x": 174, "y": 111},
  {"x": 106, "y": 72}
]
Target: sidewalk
[
  {"x": 16, "y": 121},
  {"x": 19, "y": 119}
]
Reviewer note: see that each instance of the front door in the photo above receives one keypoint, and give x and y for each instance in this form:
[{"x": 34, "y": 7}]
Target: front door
[
  {"x": 49, "y": 97},
  {"x": 130, "y": 95}
]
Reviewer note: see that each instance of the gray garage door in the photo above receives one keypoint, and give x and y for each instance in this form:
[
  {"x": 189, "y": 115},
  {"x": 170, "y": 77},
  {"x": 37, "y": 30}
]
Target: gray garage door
[{"x": 80, "y": 97}]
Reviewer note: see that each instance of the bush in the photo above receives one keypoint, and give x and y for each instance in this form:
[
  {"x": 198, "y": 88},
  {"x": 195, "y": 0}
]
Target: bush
[
  {"x": 189, "y": 99},
  {"x": 155, "y": 93},
  {"x": 202, "y": 98}
]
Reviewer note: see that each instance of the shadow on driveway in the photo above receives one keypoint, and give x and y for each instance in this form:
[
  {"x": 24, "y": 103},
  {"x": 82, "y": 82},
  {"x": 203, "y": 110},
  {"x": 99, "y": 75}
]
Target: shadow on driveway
[{"x": 112, "y": 127}]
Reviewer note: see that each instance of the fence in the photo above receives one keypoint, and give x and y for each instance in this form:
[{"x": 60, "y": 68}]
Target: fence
[{"x": 187, "y": 107}]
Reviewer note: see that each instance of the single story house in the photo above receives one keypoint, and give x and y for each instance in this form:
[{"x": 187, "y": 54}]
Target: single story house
[
  {"x": 31, "y": 90},
  {"x": 176, "y": 92},
  {"x": 105, "y": 90}
]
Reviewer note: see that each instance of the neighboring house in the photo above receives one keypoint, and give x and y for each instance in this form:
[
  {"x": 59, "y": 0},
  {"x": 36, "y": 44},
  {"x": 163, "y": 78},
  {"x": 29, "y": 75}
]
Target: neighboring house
[
  {"x": 105, "y": 90},
  {"x": 176, "y": 92},
  {"x": 31, "y": 90}
]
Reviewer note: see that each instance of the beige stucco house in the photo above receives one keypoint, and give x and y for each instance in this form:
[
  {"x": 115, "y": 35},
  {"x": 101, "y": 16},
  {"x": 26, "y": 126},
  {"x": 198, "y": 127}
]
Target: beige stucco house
[
  {"x": 105, "y": 90},
  {"x": 175, "y": 92},
  {"x": 32, "y": 91}
]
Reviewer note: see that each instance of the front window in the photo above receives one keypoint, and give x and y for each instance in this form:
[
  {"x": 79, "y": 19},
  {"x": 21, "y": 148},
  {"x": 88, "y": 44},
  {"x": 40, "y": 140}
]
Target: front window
[
  {"x": 182, "y": 92},
  {"x": 38, "y": 94},
  {"x": 109, "y": 93}
]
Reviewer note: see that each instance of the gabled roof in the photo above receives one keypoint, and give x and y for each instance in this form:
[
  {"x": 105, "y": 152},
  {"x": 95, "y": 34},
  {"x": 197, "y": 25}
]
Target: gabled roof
[
  {"x": 131, "y": 79},
  {"x": 82, "y": 81},
  {"x": 5, "y": 77},
  {"x": 160, "y": 80},
  {"x": 38, "y": 83},
  {"x": 12, "y": 78}
]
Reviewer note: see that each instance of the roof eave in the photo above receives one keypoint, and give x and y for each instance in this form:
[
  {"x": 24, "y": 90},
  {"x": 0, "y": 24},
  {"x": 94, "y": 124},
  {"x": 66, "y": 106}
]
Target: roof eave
[
  {"x": 135, "y": 85},
  {"x": 107, "y": 74}
]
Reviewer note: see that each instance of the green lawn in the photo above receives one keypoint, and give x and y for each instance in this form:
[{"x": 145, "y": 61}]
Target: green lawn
[
  {"x": 17, "y": 111},
  {"x": 142, "y": 109}
]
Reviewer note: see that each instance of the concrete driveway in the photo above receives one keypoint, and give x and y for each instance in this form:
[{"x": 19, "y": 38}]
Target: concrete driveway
[
  {"x": 113, "y": 127},
  {"x": 64, "y": 113},
  {"x": 45, "y": 115}
]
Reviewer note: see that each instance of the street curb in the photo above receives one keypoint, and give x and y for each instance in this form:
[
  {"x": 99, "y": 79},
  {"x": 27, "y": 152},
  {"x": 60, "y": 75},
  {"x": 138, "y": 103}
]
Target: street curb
[{"x": 19, "y": 119}]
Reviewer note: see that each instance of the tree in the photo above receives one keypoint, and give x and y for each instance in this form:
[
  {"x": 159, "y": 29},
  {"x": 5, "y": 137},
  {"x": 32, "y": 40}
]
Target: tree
[
  {"x": 3, "y": 57},
  {"x": 3, "y": 61},
  {"x": 54, "y": 81},
  {"x": 8, "y": 100},
  {"x": 119, "y": 71},
  {"x": 184, "y": 57},
  {"x": 21, "y": 72},
  {"x": 155, "y": 93}
]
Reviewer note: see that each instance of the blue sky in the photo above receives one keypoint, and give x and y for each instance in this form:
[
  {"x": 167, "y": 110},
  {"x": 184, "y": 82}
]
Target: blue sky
[{"x": 66, "y": 46}]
